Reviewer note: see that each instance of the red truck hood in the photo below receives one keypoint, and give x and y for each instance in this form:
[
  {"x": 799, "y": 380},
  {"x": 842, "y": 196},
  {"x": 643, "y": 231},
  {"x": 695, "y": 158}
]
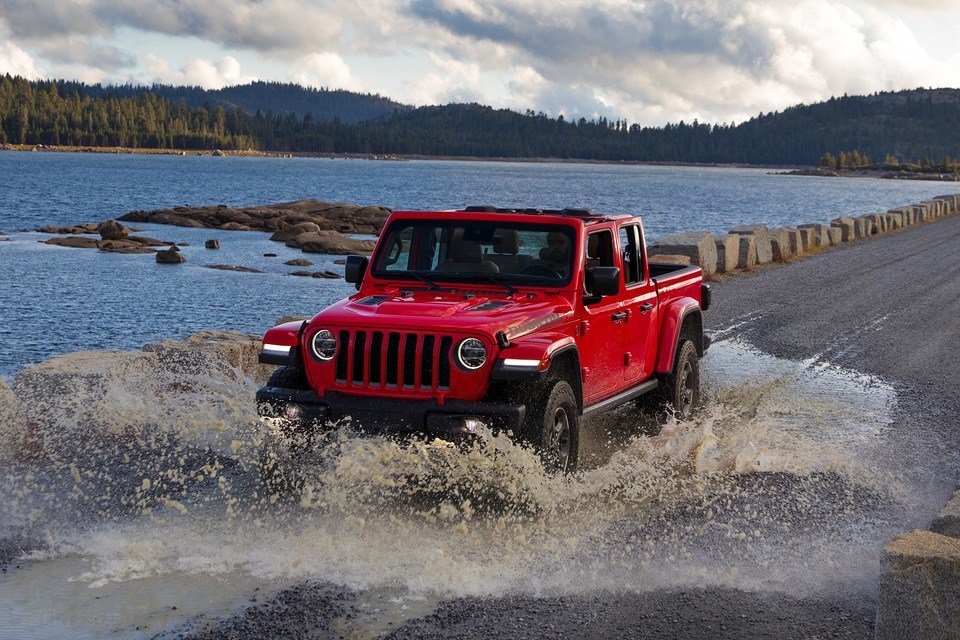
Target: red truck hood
[{"x": 461, "y": 311}]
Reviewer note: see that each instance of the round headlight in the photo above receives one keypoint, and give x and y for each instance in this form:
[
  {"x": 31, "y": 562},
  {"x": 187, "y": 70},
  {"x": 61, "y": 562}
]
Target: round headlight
[
  {"x": 324, "y": 344},
  {"x": 471, "y": 354}
]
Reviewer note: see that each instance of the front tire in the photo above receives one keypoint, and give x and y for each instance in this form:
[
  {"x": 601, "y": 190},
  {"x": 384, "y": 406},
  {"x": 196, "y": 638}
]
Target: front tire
[
  {"x": 553, "y": 427},
  {"x": 681, "y": 389}
]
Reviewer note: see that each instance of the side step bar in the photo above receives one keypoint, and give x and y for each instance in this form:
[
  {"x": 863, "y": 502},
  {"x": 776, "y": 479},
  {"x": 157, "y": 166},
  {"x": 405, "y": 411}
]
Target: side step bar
[{"x": 621, "y": 398}]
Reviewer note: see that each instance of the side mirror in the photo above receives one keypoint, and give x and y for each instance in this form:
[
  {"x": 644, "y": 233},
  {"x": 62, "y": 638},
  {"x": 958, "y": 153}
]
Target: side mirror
[
  {"x": 356, "y": 267},
  {"x": 602, "y": 281}
]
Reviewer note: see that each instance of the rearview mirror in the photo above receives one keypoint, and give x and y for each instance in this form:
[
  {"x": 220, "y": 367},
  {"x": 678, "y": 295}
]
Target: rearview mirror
[
  {"x": 356, "y": 267},
  {"x": 602, "y": 281}
]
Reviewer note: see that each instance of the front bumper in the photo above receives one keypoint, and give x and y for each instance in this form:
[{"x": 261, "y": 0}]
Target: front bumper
[{"x": 453, "y": 419}]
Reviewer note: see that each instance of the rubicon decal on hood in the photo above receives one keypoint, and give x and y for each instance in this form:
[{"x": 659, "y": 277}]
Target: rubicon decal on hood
[{"x": 533, "y": 324}]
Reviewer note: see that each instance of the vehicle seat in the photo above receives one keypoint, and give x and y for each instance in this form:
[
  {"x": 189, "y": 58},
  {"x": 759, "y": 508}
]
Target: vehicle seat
[
  {"x": 466, "y": 256},
  {"x": 506, "y": 252},
  {"x": 593, "y": 251}
]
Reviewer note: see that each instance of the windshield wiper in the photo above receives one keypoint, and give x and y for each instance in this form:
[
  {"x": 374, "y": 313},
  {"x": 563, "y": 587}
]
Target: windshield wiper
[
  {"x": 494, "y": 278},
  {"x": 422, "y": 278}
]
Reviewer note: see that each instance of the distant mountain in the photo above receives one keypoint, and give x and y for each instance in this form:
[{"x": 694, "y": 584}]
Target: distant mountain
[
  {"x": 324, "y": 105},
  {"x": 908, "y": 125}
]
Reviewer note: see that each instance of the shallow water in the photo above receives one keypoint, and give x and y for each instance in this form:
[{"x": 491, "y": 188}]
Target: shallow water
[
  {"x": 149, "y": 478},
  {"x": 56, "y": 300}
]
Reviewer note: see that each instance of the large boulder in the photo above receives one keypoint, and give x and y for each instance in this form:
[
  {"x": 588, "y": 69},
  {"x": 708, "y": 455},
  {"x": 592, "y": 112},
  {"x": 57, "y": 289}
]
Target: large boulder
[
  {"x": 879, "y": 221},
  {"x": 699, "y": 246},
  {"x": 819, "y": 235},
  {"x": 663, "y": 258},
  {"x": 747, "y": 252},
  {"x": 947, "y": 522},
  {"x": 331, "y": 242},
  {"x": 836, "y": 235},
  {"x": 112, "y": 230},
  {"x": 763, "y": 242},
  {"x": 123, "y": 246},
  {"x": 170, "y": 256},
  {"x": 12, "y": 425},
  {"x": 288, "y": 233},
  {"x": 212, "y": 243},
  {"x": 728, "y": 252},
  {"x": 781, "y": 245},
  {"x": 232, "y": 354},
  {"x": 919, "y": 592},
  {"x": 847, "y": 226}
]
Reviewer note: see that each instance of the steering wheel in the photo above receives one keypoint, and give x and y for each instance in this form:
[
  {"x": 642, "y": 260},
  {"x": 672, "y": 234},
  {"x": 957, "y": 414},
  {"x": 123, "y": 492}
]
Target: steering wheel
[{"x": 541, "y": 270}]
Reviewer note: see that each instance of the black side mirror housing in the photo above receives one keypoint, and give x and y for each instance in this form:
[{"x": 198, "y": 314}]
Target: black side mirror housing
[
  {"x": 355, "y": 269},
  {"x": 602, "y": 281}
]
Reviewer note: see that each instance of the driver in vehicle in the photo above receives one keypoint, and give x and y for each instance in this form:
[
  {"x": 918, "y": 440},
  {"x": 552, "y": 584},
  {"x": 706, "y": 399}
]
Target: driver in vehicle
[{"x": 556, "y": 254}]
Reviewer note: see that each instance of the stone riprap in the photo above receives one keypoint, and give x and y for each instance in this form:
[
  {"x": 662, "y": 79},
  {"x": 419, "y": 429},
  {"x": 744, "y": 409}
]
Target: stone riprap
[
  {"x": 728, "y": 252},
  {"x": 781, "y": 245},
  {"x": 847, "y": 226},
  {"x": 664, "y": 258},
  {"x": 947, "y": 522},
  {"x": 700, "y": 247},
  {"x": 763, "y": 242}
]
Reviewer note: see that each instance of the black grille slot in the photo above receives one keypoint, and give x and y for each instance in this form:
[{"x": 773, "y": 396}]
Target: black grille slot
[
  {"x": 343, "y": 348},
  {"x": 410, "y": 360},
  {"x": 376, "y": 351},
  {"x": 426, "y": 362},
  {"x": 393, "y": 355},
  {"x": 359, "y": 351},
  {"x": 444, "y": 365}
]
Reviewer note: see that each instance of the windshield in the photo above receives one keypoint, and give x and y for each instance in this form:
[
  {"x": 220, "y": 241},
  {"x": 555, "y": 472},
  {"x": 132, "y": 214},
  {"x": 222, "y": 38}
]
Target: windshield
[{"x": 470, "y": 251}]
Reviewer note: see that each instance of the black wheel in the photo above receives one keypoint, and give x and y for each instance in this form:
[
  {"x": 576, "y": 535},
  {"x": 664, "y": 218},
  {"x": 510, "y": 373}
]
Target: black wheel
[
  {"x": 289, "y": 378},
  {"x": 553, "y": 427},
  {"x": 680, "y": 391}
]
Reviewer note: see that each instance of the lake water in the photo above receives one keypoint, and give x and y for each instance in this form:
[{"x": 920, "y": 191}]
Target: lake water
[{"x": 54, "y": 300}]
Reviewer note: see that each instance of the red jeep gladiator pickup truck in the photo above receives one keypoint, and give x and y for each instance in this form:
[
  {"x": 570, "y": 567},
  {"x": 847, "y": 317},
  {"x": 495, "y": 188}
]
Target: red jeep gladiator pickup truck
[{"x": 518, "y": 319}]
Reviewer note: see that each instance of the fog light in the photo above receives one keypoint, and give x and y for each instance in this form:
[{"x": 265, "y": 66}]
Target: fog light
[{"x": 292, "y": 412}]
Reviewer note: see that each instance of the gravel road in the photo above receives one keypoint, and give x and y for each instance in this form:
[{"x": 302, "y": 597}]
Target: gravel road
[{"x": 887, "y": 306}]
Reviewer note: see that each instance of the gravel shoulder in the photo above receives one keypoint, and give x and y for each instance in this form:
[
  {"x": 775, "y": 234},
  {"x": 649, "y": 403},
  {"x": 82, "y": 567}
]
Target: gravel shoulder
[{"x": 887, "y": 306}]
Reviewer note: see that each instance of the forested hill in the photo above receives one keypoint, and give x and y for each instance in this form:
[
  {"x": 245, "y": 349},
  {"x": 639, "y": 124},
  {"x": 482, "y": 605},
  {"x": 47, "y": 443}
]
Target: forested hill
[
  {"x": 909, "y": 125},
  {"x": 282, "y": 98}
]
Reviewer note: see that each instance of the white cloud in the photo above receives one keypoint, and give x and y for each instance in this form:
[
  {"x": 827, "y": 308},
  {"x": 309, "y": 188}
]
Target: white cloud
[
  {"x": 17, "y": 62},
  {"x": 198, "y": 72},
  {"x": 325, "y": 69},
  {"x": 453, "y": 81}
]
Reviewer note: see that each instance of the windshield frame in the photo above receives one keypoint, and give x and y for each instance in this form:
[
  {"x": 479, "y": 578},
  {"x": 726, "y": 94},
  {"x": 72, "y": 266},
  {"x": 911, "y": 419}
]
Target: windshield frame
[{"x": 511, "y": 279}]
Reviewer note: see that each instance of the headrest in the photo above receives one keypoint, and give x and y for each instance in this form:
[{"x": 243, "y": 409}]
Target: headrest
[
  {"x": 545, "y": 253},
  {"x": 465, "y": 251},
  {"x": 593, "y": 246},
  {"x": 506, "y": 241}
]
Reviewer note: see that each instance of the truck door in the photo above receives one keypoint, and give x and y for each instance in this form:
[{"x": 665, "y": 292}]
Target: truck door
[
  {"x": 640, "y": 304},
  {"x": 601, "y": 327}
]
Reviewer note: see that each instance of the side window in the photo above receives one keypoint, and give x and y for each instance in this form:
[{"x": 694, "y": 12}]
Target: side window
[
  {"x": 599, "y": 253},
  {"x": 397, "y": 257},
  {"x": 631, "y": 254}
]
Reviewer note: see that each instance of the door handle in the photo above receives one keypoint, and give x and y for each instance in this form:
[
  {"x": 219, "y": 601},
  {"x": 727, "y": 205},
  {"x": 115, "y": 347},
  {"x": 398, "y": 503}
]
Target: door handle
[
  {"x": 646, "y": 307},
  {"x": 620, "y": 315}
]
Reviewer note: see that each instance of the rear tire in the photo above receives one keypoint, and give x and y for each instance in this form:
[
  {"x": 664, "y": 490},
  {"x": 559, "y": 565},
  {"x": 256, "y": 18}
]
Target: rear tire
[{"x": 553, "y": 427}]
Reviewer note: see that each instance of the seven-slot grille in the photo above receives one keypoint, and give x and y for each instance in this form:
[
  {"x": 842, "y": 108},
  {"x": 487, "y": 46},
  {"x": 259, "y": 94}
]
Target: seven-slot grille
[{"x": 393, "y": 360}]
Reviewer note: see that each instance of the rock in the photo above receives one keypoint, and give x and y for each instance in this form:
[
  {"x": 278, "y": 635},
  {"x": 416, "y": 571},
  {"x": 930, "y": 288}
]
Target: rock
[
  {"x": 112, "y": 230},
  {"x": 170, "y": 256},
  {"x": 820, "y": 234},
  {"x": 919, "y": 213},
  {"x": 947, "y": 522},
  {"x": 866, "y": 228},
  {"x": 919, "y": 592},
  {"x": 212, "y": 243},
  {"x": 123, "y": 246},
  {"x": 235, "y": 226},
  {"x": 325, "y": 274},
  {"x": 747, "y": 252},
  {"x": 230, "y": 267},
  {"x": 302, "y": 273},
  {"x": 173, "y": 247},
  {"x": 762, "y": 241},
  {"x": 836, "y": 235},
  {"x": 781, "y": 245},
  {"x": 806, "y": 238},
  {"x": 340, "y": 261},
  {"x": 269, "y": 255},
  {"x": 288, "y": 233},
  {"x": 796, "y": 240},
  {"x": 663, "y": 258},
  {"x": 13, "y": 425},
  {"x": 728, "y": 252},
  {"x": 331, "y": 242},
  {"x": 335, "y": 216},
  {"x": 286, "y": 319},
  {"x": 217, "y": 153},
  {"x": 879, "y": 221},
  {"x": 699, "y": 246},
  {"x": 847, "y": 226},
  {"x": 146, "y": 242},
  {"x": 78, "y": 229},
  {"x": 299, "y": 262},
  {"x": 77, "y": 242}
]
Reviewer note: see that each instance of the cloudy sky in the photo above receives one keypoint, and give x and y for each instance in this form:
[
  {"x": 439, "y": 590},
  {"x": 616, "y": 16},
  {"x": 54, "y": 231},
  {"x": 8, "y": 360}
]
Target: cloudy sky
[{"x": 650, "y": 61}]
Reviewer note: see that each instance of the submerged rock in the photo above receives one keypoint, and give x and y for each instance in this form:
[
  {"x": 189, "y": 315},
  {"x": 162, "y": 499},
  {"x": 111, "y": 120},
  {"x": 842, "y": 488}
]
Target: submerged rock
[
  {"x": 230, "y": 267},
  {"x": 77, "y": 242},
  {"x": 212, "y": 243},
  {"x": 299, "y": 262},
  {"x": 170, "y": 256},
  {"x": 112, "y": 230}
]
